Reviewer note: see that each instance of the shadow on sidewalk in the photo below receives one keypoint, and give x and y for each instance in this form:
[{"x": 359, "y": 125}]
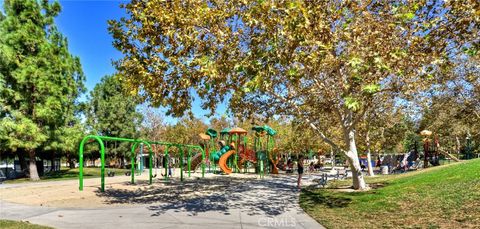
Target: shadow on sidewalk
[{"x": 269, "y": 197}]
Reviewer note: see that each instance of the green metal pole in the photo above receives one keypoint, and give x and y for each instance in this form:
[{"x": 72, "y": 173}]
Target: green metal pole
[
  {"x": 140, "y": 161},
  {"x": 235, "y": 159},
  {"x": 261, "y": 169},
  {"x": 245, "y": 144},
  {"x": 165, "y": 159},
  {"x": 181, "y": 164},
  {"x": 80, "y": 165},
  {"x": 150, "y": 162},
  {"x": 189, "y": 160},
  {"x": 132, "y": 161},
  {"x": 102, "y": 171},
  {"x": 267, "y": 150},
  {"x": 203, "y": 162}
]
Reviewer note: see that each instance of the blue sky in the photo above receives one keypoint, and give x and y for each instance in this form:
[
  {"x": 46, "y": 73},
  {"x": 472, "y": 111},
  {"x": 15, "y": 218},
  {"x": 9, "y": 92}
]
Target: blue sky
[{"x": 84, "y": 23}]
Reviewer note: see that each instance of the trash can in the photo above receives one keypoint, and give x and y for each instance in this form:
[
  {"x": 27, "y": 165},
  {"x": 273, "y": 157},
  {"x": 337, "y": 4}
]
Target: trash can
[{"x": 384, "y": 170}]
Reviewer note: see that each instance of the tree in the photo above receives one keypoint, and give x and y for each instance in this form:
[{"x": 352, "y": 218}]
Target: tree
[
  {"x": 185, "y": 131},
  {"x": 154, "y": 127},
  {"x": 306, "y": 59},
  {"x": 39, "y": 79},
  {"x": 113, "y": 113},
  {"x": 219, "y": 123}
]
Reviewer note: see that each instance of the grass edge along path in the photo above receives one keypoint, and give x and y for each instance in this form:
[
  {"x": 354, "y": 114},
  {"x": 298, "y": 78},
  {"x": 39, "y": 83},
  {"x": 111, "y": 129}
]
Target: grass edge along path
[
  {"x": 440, "y": 197},
  {"x": 11, "y": 224}
]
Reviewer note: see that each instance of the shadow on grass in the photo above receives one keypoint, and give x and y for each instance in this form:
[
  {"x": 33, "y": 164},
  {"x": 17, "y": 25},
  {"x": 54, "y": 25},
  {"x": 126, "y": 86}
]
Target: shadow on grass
[
  {"x": 311, "y": 199},
  {"x": 251, "y": 196}
]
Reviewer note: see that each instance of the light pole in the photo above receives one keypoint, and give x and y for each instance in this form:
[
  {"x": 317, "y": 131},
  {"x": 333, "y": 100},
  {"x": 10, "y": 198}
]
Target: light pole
[{"x": 468, "y": 148}]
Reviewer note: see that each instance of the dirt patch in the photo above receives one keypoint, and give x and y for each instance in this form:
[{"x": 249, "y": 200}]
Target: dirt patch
[{"x": 118, "y": 191}]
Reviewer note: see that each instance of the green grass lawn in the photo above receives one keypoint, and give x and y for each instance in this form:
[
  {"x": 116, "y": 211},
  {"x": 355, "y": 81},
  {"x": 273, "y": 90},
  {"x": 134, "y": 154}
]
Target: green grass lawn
[
  {"x": 442, "y": 197},
  {"x": 10, "y": 224},
  {"x": 69, "y": 174}
]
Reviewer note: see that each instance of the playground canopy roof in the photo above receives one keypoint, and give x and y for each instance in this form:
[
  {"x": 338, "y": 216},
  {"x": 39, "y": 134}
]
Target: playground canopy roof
[
  {"x": 225, "y": 131},
  {"x": 265, "y": 128},
  {"x": 204, "y": 136},
  {"x": 237, "y": 130},
  {"x": 212, "y": 133}
]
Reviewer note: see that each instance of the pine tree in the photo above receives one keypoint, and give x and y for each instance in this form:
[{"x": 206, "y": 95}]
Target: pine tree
[{"x": 39, "y": 79}]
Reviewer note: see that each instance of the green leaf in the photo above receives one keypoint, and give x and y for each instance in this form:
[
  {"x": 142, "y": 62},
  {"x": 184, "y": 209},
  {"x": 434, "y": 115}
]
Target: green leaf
[
  {"x": 352, "y": 103},
  {"x": 371, "y": 88},
  {"x": 409, "y": 16},
  {"x": 292, "y": 72},
  {"x": 355, "y": 62}
]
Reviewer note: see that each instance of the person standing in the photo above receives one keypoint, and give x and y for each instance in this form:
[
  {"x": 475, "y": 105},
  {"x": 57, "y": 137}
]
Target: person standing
[{"x": 300, "y": 170}]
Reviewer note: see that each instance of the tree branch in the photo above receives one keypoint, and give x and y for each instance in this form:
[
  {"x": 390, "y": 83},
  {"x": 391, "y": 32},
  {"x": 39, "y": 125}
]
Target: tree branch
[{"x": 308, "y": 121}]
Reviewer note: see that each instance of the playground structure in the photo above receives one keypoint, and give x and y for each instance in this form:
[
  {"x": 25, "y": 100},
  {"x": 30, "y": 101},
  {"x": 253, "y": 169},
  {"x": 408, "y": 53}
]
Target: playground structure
[
  {"x": 432, "y": 150},
  {"x": 234, "y": 155},
  {"x": 135, "y": 144}
]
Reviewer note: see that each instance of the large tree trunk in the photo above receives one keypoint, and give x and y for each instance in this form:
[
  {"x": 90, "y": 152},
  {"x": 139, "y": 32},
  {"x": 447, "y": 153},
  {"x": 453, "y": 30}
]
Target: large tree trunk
[
  {"x": 332, "y": 156},
  {"x": 33, "y": 166},
  {"x": 52, "y": 165},
  {"x": 369, "y": 156},
  {"x": 352, "y": 155},
  {"x": 71, "y": 163},
  {"x": 122, "y": 162},
  {"x": 459, "y": 146}
]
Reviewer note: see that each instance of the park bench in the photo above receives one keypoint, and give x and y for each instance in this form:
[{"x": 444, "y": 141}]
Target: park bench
[{"x": 323, "y": 180}]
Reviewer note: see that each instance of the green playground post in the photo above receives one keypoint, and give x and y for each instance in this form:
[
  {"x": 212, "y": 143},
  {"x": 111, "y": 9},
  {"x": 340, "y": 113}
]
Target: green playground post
[
  {"x": 262, "y": 174},
  {"x": 203, "y": 160},
  {"x": 140, "y": 160},
  {"x": 181, "y": 164},
  {"x": 235, "y": 157},
  {"x": 132, "y": 163},
  {"x": 166, "y": 161},
  {"x": 265, "y": 168},
  {"x": 189, "y": 160},
  {"x": 150, "y": 162}
]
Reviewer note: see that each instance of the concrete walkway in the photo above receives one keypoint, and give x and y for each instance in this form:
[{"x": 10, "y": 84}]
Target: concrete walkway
[{"x": 258, "y": 203}]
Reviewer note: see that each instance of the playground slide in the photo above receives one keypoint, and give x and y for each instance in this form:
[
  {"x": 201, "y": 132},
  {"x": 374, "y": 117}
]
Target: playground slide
[
  {"x": 223, "y": 162},
  {"x": 195, "y": 161},
  {"x": 448, "y": 155}
]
